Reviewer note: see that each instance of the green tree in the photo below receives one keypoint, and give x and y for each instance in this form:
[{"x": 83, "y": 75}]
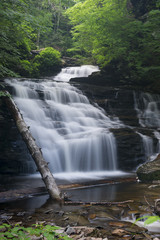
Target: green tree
[
  {"x": 109, "y": 31},
  {"x": 26, "y": 25},
  {"x": 12, "y": 13}
]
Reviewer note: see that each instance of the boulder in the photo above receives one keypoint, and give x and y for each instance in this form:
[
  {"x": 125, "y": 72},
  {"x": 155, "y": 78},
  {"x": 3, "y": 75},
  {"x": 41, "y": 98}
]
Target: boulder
[{"x": 149, "y": 171}]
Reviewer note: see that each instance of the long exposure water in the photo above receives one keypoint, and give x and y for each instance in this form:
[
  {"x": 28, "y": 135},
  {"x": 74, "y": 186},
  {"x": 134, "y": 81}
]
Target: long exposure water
[
  {"x": 73, "y": 134},
  {"x": 77, "y": 136}
]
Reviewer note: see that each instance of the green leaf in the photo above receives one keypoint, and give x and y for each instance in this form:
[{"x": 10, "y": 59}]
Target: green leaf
[{"x": 151, "y": 219}]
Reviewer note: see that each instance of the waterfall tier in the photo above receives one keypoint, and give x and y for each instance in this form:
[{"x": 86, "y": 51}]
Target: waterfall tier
[
  {"x": 73, "y": 72},
  {"x": 93, "y": 134},
  {"x": 73, "y": 134}
]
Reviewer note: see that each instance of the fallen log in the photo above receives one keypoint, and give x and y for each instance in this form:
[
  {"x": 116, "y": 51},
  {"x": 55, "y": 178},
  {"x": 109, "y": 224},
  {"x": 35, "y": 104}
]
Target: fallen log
[
  {"x": 34, "y": 150},
  {"x": 97, "y": 203}
]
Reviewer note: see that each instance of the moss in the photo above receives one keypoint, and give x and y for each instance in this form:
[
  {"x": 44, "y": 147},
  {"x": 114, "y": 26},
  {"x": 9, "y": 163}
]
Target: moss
[
  {"x": 149, "y": 177},
  {"x": 149, "y": 171}
]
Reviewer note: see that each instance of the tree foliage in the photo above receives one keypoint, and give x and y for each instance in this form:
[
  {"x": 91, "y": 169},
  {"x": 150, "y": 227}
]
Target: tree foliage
[
  {"x": 47, "y": 61},
  {"x": 36, "y": 231},
  {"x": 119, "y": 35},
  {"x": 111, "y": 32},
  {"x": 30, "y": 24}
]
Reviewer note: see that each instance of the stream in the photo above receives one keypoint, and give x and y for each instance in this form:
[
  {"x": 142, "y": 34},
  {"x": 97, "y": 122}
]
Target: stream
[{"x": 87, "y": 134}]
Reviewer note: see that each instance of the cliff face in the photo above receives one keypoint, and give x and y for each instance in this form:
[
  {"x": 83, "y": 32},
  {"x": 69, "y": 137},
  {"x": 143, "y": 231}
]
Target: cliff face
[{"x": 14, "y": 157}]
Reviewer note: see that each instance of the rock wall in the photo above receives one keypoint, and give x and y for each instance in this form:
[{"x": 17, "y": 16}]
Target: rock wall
[
  {"x": 119, "y": 102},
  {"x": 14, "y": 156}
]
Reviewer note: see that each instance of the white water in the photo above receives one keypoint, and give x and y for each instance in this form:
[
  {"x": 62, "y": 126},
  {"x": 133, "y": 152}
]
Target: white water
[
  {"x": 148, "y": 147},
  {"x": 73, "y": 134},
  {"x": 152, "y": 227},
  {"x": 73, "y": 72},
  {"x": 148, "y": 109}
]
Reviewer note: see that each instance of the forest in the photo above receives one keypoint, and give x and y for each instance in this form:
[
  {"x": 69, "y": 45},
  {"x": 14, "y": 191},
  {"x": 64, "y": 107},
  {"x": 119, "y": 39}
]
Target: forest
[
  {"x": 97, "y": 132},
  {"x": 120, "y": 36}
]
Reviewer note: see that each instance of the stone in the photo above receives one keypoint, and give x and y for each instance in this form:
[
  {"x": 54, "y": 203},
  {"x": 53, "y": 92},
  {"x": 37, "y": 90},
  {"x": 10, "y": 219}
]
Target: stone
[
  {"x": 157, "y": 207},
  {"x": 150, "y": 171},
  {"x": 117, "y": 224},
  {"x": 92, "y": 216},
  {"x": 48, "y": 211},
  {"x": 70, "y": 231},
  {"x": 119, "y": 232}
]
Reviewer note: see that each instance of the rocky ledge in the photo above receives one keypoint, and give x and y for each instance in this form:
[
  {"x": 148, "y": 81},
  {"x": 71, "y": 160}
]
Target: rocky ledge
[{"x": 150, "y": 171}]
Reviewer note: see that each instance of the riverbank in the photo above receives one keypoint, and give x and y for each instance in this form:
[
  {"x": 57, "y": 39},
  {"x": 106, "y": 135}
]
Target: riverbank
[{"x": 80, "y": 217}]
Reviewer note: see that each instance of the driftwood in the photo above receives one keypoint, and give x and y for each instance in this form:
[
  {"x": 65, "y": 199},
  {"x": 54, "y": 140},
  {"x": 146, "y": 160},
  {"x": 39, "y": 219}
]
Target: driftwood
[
  {"x": 34, "y": 150},
  {"x": 97, "y": 203}
]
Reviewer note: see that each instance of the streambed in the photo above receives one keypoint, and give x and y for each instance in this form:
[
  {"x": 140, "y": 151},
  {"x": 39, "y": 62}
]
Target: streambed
[{"x": 126, "y": 201}]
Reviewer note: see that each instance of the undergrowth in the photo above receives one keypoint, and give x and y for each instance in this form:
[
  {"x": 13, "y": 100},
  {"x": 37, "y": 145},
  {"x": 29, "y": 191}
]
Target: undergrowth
[{"x": 48, "y": 232}]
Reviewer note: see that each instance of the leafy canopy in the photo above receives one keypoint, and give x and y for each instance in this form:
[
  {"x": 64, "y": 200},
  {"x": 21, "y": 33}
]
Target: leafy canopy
[{"x": 110, "y": 33}]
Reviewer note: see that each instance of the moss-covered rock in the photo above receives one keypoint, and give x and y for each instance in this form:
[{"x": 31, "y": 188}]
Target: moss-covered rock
[{"x": 149, "y": 171}]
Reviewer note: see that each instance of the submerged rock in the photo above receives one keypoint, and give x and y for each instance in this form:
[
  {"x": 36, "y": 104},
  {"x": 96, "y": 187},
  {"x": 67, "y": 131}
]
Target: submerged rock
[{"x": 149, "y": 171}]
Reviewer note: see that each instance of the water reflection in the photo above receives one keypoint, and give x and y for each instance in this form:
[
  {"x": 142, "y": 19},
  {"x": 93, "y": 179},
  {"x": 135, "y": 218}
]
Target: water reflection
[
  {"x": 28, "y": 205},
  {"x": 95, "y": 193}
]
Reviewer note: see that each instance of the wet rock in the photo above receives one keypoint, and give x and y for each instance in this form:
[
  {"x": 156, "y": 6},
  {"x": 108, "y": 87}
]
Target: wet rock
[
  {"x": 117, "y": 224},
  {"x": 60, "y": 213},
  {"x": 15, "y": 156},
  {"x": 21, "y": 213},
  {"x": 157, "y": 207},
  {"x": 149, "y": 171},
  {"x": 70, "y": 231}
]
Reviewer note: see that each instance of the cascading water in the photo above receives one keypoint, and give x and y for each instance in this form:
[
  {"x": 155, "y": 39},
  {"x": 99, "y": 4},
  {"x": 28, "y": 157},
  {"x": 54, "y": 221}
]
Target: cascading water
[
  {"x": 73, "y": 134},
  {"x": 148, "y": 147},
  {"x": 73, "y": 72},
  {"x": 147, "y": 107}
]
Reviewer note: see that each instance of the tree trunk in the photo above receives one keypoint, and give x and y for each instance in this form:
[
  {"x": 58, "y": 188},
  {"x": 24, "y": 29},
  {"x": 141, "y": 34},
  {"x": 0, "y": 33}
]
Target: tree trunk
[{"x": 34, "y": 150}]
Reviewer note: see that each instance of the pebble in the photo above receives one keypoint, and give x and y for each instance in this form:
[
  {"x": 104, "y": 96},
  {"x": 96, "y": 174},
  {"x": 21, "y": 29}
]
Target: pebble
[
  {"x": 48, "y": 211},
  {"x": 21, "y": 213},
  {"x": 60, "y": 213},
  {"x": 70, "y": 231}
]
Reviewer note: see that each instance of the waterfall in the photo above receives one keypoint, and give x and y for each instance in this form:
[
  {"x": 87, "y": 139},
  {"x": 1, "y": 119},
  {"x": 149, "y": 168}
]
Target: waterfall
[
  {"x": 73, "y": 134},
  {"x": 73, "y": 72},
  {"x": 148, "y": 147},
  {"x": 157, "y": 135},
  {"x": 148, "y": 109}
]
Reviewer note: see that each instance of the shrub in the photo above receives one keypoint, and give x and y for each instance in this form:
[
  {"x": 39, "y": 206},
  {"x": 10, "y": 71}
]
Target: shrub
[
  {"x": 48, "y": 61},
  {"x": 28, "y": 233}
]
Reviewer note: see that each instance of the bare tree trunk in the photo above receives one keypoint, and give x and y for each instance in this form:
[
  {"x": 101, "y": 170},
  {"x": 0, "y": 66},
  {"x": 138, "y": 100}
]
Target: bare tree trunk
[{"x": 34, "y": 150}]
